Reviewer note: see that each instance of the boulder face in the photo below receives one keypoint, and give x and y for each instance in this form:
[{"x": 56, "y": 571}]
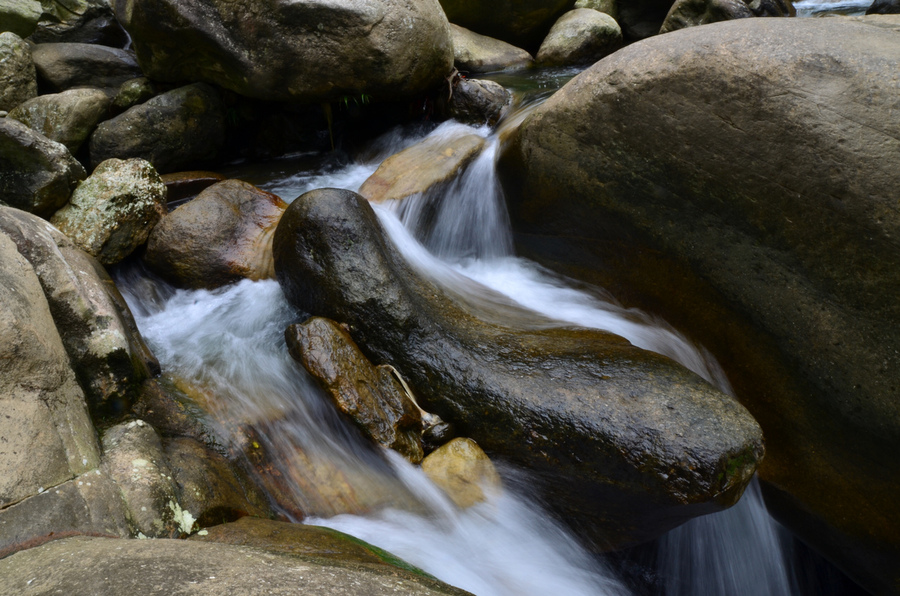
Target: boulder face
[
  {"x": 63, "y": 66},
  {"x": 172, "y": 131},
  {"x": 581, "y": 36},
  {"x": 300, "y": 51},
  {"x": 18, "y": 81},
  {"x": 36, "y": 174},
  {"x": 222, "y": 236},
  {"x": 519, "y": 22},
  {"x": 690, "y": 13},
  {"x": 732, "y": 177},
  {"x": 20, "y": 16},
  {"x": 474, "y": 53},
  {"x": 68, "y": 117},
  {"x": 79, "y": 21},
  {"x": 622, "y": 442}
]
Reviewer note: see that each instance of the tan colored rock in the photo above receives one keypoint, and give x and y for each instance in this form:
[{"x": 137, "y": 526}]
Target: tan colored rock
[
  {"x": 520, "y": 22},
  {"x": 416, "y": 169},
  {"x": 463, "y": 471},
  {"x": 112, "y": 212},
  {"x": 475, "y": 53},
  {"x": 222, "y": 236},
  {"x": 581, "y": 36},
  {"x": 68, "y": 117}
]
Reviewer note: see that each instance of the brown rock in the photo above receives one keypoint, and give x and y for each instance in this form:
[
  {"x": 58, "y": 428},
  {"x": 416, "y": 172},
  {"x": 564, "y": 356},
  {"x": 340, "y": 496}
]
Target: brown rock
[
  {"x": 463, "y": 471},
  {"x": 474, "y": 53}
]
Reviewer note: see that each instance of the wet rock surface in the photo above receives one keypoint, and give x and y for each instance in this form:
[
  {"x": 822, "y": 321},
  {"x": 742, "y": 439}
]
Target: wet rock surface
[
  {"x": 626, "y": 444},
  {"x": 474, "y": 101},
  {"x": 463, "y": 471},
  {"x": 222, "y": 236},
  {"x": 784, "y": 267}
]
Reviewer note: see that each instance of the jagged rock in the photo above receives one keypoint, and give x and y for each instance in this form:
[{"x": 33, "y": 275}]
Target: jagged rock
[
  {"x": 519, "y": 22},
  {"x": 36, "y": 174},
  {"x": 18, "y": 80},
  {"x": 163, "y": 567},
  {"x": 311, "y": 51},
  {"x": 690, "y": 13},
  {"x": 104, "y": 345},
  {"x": 63, "y": 66},
  {"x": 79, "y": 21},
  {"x": 68, "y": 117},
  {"x": 112, "y": 212},
  {"x": 474, "y": 53},
  {"x": 222, "y": 236},
  {"x": 372, "y": 397},
  {"x": 20, "y": 16},
  {"x": 463, "y": 471},
  {"x": 766, "y": 227},
  {"x": 416, "y": 169},
  {"x": 172, "y": 131},
  {"x": 626, "y": 442},
  {"x": 581, "y": 36},
  {"x": 474, "y": 101}
]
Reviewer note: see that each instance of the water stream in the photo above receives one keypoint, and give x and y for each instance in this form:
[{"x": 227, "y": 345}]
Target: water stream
[{"x": 230, "y": 341}]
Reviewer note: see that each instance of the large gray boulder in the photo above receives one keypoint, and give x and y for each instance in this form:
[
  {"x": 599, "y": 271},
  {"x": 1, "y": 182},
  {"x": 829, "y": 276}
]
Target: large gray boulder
[
  {"x": 68, "y": 117},
  {"x": 36, "y": 174},
  {"x": 18, "y": 80},
  {"x": 475, "y": 53},
  {"x": 308, "y": 51},
  {"x": 62, "y": 66},
  {"x": 172, "y": 131},
  {"x": 734, "y": 178},
  {"x": 519, "y": 22},
  {"x": 581, "y": 36},
  {"x": 625, "y": 443}
]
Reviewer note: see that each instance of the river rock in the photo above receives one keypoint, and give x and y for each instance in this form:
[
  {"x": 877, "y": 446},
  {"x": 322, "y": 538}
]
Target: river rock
[
  {"x": 18, "y": 80},
  {"x": 165, "y": 567},
  {"x": 36, "y": 174},
  {"x": 474, "y": 101},
  {"x": 47, "y": 433},
  {"x": 62, "y": 66},
  {"x": 519, "y": 22},
  {"x": 463, "y": 471},
  {"x": 106, "y": 350},
  {"x": 690, "y": 13},
  {"x": 626, "y": 443},
  {"x": 581, "y": 36},
  {"x": 310, "y": 51},
  {"x": 474, "y": 53},
  {"x": 20, "y": 16},
  {"x": 181, "y": 186},
  {"x": 172, "y": 131},
  {"x": 884, "y": 7},
  {"x": 416, "y": 169},
  {"x": 68, "y": 117},
  {"x": 784, "y": 266},
  {"x": 222, "y": 236},
  {"x": 606, "y": 6},
  {"x": 132, "y": 93},
  {"x": 372, "y": 397},
  {"x": 112, "y": 212},
  {"x": 79, "y": 21}
]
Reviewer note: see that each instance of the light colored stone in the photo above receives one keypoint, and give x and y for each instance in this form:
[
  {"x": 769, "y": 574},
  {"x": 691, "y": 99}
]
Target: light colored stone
[
  {"x": 113, "y": 211},
  {"x": 463, "y": 471},
  {"x": 581, "y": 36},
  {"x": 19, "y": 16},
  {"x": 18, "y": 79},
  {"x": 608, "y": 6},
  {"x": 475, "y": 53},
  {"x": 68, "y": 117}
]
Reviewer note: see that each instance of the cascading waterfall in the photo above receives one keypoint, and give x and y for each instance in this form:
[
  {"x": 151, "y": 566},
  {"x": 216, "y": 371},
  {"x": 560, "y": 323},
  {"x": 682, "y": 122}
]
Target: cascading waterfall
[{"x": 231, "y": 341}]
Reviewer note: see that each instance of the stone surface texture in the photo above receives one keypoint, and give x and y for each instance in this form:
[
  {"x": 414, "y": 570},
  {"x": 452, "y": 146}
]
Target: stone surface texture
[
  {"x": 580, "y": 36},
  {"x": 63, "y": 66},
  {"x": 463, "y": 471},
  {"x": 475, "y": 53},
  {"x": 68, "y": 117},
  {"x": 18, "y": 79}
]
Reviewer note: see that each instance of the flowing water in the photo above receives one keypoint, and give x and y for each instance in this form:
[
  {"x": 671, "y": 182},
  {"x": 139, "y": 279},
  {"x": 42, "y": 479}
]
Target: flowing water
[{"x": 230, "y": 342}]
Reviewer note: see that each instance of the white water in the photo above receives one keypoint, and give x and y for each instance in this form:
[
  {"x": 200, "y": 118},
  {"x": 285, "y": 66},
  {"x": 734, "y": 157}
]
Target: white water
[{"x": 821, "y": 8}]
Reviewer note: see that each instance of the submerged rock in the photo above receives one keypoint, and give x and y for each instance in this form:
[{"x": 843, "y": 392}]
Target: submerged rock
[
  {"x": 372, "y": 397},
  {"x": 63, "y": 66},
  {"x": 463, "y": 471},
  {"x": 172, "y": 131},
  {"x": 625, "y": 443},
  {"x": 18, "y": 79},
  {"x": 222, "y": 236},
  {"x": 112, "y": 212},
  {"x": 732, "y": 177},
  {"x": 36, "y": 174},
  {"x": 474, "y": 53},
  {"x": 315, "y": 50},
  {"x": 68, "y": 117},
  {"x": 581, "y": 36}
]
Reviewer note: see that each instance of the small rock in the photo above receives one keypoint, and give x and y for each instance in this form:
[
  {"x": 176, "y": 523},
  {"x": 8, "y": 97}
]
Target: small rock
[
  {"x": 18, "y": 79},
  {"x": 474, "y": 101},
  {"x": 474, "y": 53},
  {"x": 463, "y": 471},
  {"x": 68, "y": 117},
  {"x": 581, "y": 36},
  {"x": 132, "y": 93},
  {"x": 113, "y": 211}
]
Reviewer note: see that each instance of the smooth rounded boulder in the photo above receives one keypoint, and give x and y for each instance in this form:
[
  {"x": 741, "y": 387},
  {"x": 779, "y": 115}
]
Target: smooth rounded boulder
[
  {"x": 62, "y": 66},
  {"x": 581, "y": 36},
  {"x": 475, "y": 53},
  {"x": 623, "y": 443},
  {"x": 733, "y": 178},
  {"x": 68, "y": 117},
  {"x": 316, "y": 50}
]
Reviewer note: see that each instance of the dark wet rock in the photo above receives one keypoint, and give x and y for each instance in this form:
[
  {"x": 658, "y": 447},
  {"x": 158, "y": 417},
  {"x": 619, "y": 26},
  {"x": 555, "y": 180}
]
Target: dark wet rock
[
  {"x": 580, "y": 36},
  {"x": 474, "y": 101},
  {"x": 785, "y": 266},
  {"x": 222, "y": 236},
  {"x": 79, "y": 21},
  {"x": 309, "y": 51},
  {"x": 163, "y": 567},
  {"x": 62, "y": 66},
  {"x": 101, "y": 338},
  {"x": 425, "y": 165},
  {"x": 626, "y": 444},
  {"x": 884, "y": 7},
  {"x": 132, "y": 93},
  {"x": 690, "y": 13},
  {"x": 519, "y": 22},
  {"x": 36, "y": 174},
  {"x": 463, "y": 471},
  {"x": 475, "y": 53},
  {"x": 68, "y": 117},
  {"x": 609, "y": 7},
  {"x": 181, "y": 186},
  {"x": 47, "y": 433},
  {"x": 372, "y": 397},
  {"x": 172, "y": 131},
  {"x": 18, "y": 80},
  {"x": 112, "y": 212},
  {"x": 640, "y": 19},
  {"x": 20, "y": 16}
]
